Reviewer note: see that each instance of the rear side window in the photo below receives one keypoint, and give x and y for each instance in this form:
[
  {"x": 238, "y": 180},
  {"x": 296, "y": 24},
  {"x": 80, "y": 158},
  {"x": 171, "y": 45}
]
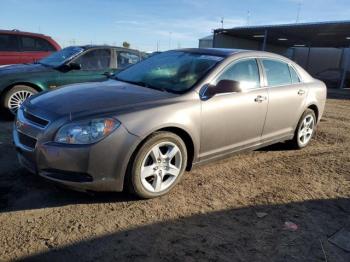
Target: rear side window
[
  {"x": 8, "y": 42},
  {"x": 125, "y": 59},
  {"x": 35, "y": 44},
  {"x": 246, "y": 72},
  {"x": 277, "y": 73},
  {"x": 294, "y": 75},
  {"x": 97, "y": 59}
]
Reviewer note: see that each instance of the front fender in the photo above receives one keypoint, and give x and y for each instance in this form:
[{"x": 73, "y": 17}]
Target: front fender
[{"x": 184, "y": 115}]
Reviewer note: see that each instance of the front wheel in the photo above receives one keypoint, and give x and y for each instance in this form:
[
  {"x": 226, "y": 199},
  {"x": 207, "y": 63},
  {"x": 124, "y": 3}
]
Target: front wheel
[
  {"x": 158, "y": 165},
  {"x": 16, "y": 96},
  {"x": 305, "y": 129}
]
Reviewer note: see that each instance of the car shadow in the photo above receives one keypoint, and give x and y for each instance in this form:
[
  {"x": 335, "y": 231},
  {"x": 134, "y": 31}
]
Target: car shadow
[
  {"x": 5, "y": 116},
  {"x": 283, "y": 146},
  {"x": 226, "y": 235},
  {"x": 21, "y": 190}
]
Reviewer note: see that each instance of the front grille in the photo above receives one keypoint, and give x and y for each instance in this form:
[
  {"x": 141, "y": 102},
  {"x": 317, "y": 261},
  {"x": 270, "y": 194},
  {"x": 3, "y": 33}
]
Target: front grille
[
  {"x": 36, "y": 120},
  {"x": 26, "y": 140}
]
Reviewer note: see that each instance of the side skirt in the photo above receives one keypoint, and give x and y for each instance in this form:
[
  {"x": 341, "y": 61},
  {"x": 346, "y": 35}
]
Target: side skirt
[{"x": 241, "y": 150}]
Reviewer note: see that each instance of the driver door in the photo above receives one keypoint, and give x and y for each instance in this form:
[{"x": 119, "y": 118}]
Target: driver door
[
  {"x": 95, "y": 64},
  {"x": 233, "y": 121}
]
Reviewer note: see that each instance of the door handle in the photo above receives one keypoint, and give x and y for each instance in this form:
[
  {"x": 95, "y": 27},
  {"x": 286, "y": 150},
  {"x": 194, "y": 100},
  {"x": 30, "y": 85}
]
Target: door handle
[
  {"x": 260, "y": 99},
  {"x": 301, "y": 92}
]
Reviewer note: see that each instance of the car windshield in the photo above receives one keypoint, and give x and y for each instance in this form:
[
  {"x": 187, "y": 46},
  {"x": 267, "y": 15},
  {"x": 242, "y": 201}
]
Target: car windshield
[
  {"x": 58, "y": 58},
  {"x": 174, "y": 71}
]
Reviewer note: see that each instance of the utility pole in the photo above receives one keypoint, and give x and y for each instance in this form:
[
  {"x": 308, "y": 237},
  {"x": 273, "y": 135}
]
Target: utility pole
[
  {"x": 170, "y": 40},
  {"x": 298, "y": 12},
  {"x": 157, "y": 45},
  {"x": 222, "y": 22},
  {"x": 248, "y": 17}
]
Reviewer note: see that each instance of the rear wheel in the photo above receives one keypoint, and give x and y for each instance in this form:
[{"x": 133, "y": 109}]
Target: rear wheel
[
  {"x": 16, "y": 96},
  {"x": 158, "y": 165},
  {"x": 305, "y": 129}
]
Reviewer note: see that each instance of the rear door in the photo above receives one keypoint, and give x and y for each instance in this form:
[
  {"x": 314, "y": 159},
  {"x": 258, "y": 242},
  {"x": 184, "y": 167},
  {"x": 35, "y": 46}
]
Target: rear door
[
  {"x": 9, "y": 49},
  {"x": 286, "y": 99},
  {"x": 95, "y": 64}
]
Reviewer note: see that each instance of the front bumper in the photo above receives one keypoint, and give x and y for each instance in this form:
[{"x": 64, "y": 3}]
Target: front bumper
[{"x": 97, "y": 167}]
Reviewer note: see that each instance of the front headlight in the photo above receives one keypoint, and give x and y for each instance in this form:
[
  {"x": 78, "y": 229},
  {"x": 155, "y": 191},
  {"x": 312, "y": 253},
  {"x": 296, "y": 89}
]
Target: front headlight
[{"x": 86, "y": 132}]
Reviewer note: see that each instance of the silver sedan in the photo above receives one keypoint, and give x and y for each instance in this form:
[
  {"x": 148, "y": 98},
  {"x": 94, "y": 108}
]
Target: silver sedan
[{"x": 141, "y": 129}]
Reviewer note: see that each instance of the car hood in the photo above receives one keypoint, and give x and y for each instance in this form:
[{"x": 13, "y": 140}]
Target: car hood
[
  {"x": 23, "y": 68},
  {"x": 94, "y": 98}
]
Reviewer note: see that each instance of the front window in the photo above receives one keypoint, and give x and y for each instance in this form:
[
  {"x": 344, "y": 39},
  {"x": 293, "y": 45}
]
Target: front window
[
  {"x": 245, "y": 72},
  {"x": 175, "y": 71},
  {"x": 97, "y": 59},
  {"x": 58, "y": 58}
]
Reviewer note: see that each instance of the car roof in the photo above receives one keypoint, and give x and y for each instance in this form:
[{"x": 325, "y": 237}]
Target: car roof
[
  {"x": 86, "y": 47},
  {"x": 227, "y": 52},
  {"x": 224, "y": 52},
  {"x": 18, "y": 32}
]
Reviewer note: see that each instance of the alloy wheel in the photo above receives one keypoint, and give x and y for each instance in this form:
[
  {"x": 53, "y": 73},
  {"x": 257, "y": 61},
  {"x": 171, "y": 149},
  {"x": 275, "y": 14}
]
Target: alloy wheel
[
  {"x": 16, "y": 99},
  {"x": 161, "y": 166},
  {"x": 306, "y": 129}
]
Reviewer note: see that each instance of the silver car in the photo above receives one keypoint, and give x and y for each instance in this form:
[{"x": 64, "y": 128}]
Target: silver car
[{"x": 142, "y": 129}]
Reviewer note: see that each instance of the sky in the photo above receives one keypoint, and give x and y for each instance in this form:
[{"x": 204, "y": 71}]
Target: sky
[{"x": 149, "y": 25}]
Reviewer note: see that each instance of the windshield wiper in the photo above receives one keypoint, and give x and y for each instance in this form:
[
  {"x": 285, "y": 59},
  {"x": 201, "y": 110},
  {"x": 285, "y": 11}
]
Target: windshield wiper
[{"x": 143, "y": 84}]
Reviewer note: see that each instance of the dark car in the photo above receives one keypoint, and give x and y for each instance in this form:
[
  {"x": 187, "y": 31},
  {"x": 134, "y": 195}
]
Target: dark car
[
  {"x": 75, "y": 64},
  {"x": 18, "y": 47}
]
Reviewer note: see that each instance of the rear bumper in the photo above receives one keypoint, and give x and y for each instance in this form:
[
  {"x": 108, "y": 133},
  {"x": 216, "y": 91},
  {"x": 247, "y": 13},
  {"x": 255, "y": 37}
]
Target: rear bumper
[{"x": 97, "y": 167}]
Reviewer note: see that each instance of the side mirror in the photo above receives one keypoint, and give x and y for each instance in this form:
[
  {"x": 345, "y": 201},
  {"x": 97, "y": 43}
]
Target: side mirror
[
  {"x": 224, "y": 86},
  {"x": 74, "y": 66},
  {"x": 108, "y": 74}
]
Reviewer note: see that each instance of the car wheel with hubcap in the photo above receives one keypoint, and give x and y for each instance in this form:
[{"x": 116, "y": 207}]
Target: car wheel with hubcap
[
  {"x": 158, "y": 165},
  {"x": 16, "y": 96},
  {"x": 305, "y": 129}
]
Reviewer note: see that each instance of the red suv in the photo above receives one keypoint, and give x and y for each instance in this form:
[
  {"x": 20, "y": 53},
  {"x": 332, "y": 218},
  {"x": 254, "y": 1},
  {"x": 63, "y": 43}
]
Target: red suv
[{"x": 18, "y": 47}]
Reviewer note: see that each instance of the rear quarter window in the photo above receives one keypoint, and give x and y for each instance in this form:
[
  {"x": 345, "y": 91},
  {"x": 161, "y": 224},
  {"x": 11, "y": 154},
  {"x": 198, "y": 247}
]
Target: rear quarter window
[
  {"x": 8, "y": 43},
  {"x": 294, "y": 75}
]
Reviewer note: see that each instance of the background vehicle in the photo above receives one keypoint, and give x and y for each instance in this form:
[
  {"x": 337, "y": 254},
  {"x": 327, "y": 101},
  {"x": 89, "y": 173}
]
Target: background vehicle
[
  {"x": 74, "y": 64},
  {"x": 18, "y": 47},
  {"x": 165, "y": 114}
]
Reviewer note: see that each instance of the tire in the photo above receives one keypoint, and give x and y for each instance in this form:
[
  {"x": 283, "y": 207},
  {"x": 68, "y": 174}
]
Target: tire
[
  {"x": 16, "y": 96},
  {"x": 147, "y": 172},
  {"x": 298, "y": 142}
]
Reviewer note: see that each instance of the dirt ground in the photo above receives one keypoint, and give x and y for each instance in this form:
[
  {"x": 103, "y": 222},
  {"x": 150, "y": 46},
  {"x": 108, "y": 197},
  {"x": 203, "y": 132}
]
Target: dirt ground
[{"x": 213, "y": 214}]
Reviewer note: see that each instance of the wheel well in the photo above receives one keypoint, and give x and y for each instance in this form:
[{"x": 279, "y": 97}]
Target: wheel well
[
  {"x": 187, "y": 140},
  {"x": 183, "y": 135},
  {"x": 315, "y": 109},
  {"x": 178, "y": 131},
  {"x": 37, "y": 88}
]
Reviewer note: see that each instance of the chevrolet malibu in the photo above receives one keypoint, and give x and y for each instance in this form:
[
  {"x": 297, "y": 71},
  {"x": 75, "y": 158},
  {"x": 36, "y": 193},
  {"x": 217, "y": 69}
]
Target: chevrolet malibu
[{"x": 141, "y": 130}]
